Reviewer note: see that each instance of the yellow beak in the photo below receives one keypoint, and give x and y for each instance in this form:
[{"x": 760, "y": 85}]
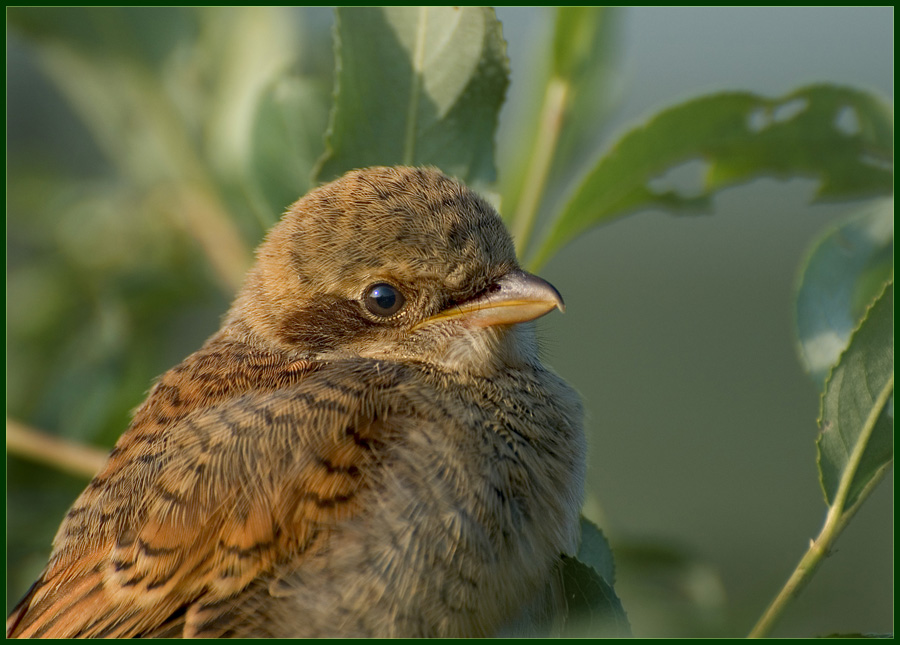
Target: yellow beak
[{"x": 516, "y": 297}]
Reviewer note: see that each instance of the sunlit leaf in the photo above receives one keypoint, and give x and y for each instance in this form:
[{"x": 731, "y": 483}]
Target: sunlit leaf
[
  {"x": 239, "y": 53},
  {"x": 416, "y": 86},
  {"x": 845, "y": 272},
  {"x": 840, "y": 136},
  {"x": 857, "y": 441}
]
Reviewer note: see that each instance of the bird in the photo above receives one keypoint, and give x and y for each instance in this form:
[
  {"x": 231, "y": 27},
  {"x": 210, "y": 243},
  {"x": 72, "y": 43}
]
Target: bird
[{"x": 369, "y": 446}]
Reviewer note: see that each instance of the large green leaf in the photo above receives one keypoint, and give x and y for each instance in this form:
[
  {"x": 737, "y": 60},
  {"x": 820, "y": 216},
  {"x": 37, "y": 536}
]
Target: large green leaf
[
  {"x": 843, "y": 275},
  {"x": 841, "y": 136},
  {"x": 857, "y": 442},
  {"x": 416, "y": 86}
]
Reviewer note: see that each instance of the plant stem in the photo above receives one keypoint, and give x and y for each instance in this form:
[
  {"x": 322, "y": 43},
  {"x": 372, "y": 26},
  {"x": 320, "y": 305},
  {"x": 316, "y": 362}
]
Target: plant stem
[
  {"x": 837, "y": 519},
  {"x": 67, "y": 456},
  {"x": 817, "y": 551},
  {"x": 412, "y": 109},
  {"x": 549, "y": 126}
]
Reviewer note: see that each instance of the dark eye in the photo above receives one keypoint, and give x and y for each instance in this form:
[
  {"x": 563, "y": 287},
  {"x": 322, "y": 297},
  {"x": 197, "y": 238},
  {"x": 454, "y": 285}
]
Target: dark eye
[{"x": 384, "y": 300}]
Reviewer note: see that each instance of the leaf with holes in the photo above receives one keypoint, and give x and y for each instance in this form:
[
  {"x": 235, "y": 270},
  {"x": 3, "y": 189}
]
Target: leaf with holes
[
  {"x": 841, "y": 136},
  {"x": 416, "y": 86}
]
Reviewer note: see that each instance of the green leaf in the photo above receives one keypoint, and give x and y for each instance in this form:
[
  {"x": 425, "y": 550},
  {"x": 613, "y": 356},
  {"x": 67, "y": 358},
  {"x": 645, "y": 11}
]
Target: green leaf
[
  {"x": 416, "y": 86},
  {"x": 857, "y": 443},
  {"x": 595, "y": 552},
  {"x": 843, "y": 275},
  {"x": 841, "y": 136},
  {"x": 593, "y": 608},
  {"x": 286, "y": 141}
]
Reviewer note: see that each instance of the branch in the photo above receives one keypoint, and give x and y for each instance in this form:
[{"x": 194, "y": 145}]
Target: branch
[{"x": 68, "y": 456}]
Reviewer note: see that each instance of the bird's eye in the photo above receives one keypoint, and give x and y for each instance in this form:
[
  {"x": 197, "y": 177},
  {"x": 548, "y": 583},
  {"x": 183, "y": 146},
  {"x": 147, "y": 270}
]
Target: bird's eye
[{"x": 384, "y": 300}]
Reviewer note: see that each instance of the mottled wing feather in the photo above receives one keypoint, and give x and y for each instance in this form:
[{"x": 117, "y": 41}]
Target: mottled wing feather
[{"x": 182, "y": 529}]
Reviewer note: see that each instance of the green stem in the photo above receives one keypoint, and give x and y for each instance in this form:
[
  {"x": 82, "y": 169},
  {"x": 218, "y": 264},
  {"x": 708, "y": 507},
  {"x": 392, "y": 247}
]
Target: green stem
[
  {"x": 837, "y": 519},
  {"x": 549, "y": 126},
  {"x": 808, "y": 564},
  {"x": 412, "y": 109}
]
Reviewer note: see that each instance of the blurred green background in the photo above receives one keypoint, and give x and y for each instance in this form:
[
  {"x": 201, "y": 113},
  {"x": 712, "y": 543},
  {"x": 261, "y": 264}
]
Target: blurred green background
[{"x": 678, "y": 333}]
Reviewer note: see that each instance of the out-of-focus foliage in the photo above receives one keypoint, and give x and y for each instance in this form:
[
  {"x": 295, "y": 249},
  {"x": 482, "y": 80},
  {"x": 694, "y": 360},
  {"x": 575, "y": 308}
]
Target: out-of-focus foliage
[
  {"x": 574, "y": 93},
  {"x": 131, "y": 214},
  {"x": 843, "y": 275},
  {"x": 681, "y": 594}
]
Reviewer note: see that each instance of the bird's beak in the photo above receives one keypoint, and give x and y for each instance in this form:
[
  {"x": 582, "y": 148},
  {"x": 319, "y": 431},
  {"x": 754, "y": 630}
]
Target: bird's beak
[{"x": 516, "y": 297}]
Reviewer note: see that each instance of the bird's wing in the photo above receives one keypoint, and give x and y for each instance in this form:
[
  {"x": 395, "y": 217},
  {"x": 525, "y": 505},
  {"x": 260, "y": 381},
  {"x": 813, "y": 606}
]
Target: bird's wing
[{"x": 184, "y": 525}]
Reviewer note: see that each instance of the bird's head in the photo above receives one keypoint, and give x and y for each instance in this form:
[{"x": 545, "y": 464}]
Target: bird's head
[{"x": 393, "y": 263}]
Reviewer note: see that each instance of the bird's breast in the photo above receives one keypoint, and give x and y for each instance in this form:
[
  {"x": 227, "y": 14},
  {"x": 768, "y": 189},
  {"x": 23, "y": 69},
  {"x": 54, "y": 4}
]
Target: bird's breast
[{"x": 477, "y": 495}]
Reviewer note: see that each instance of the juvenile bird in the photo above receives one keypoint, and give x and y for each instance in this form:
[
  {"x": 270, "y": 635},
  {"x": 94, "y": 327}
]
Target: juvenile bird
[{"x": 369, "y": 446}]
